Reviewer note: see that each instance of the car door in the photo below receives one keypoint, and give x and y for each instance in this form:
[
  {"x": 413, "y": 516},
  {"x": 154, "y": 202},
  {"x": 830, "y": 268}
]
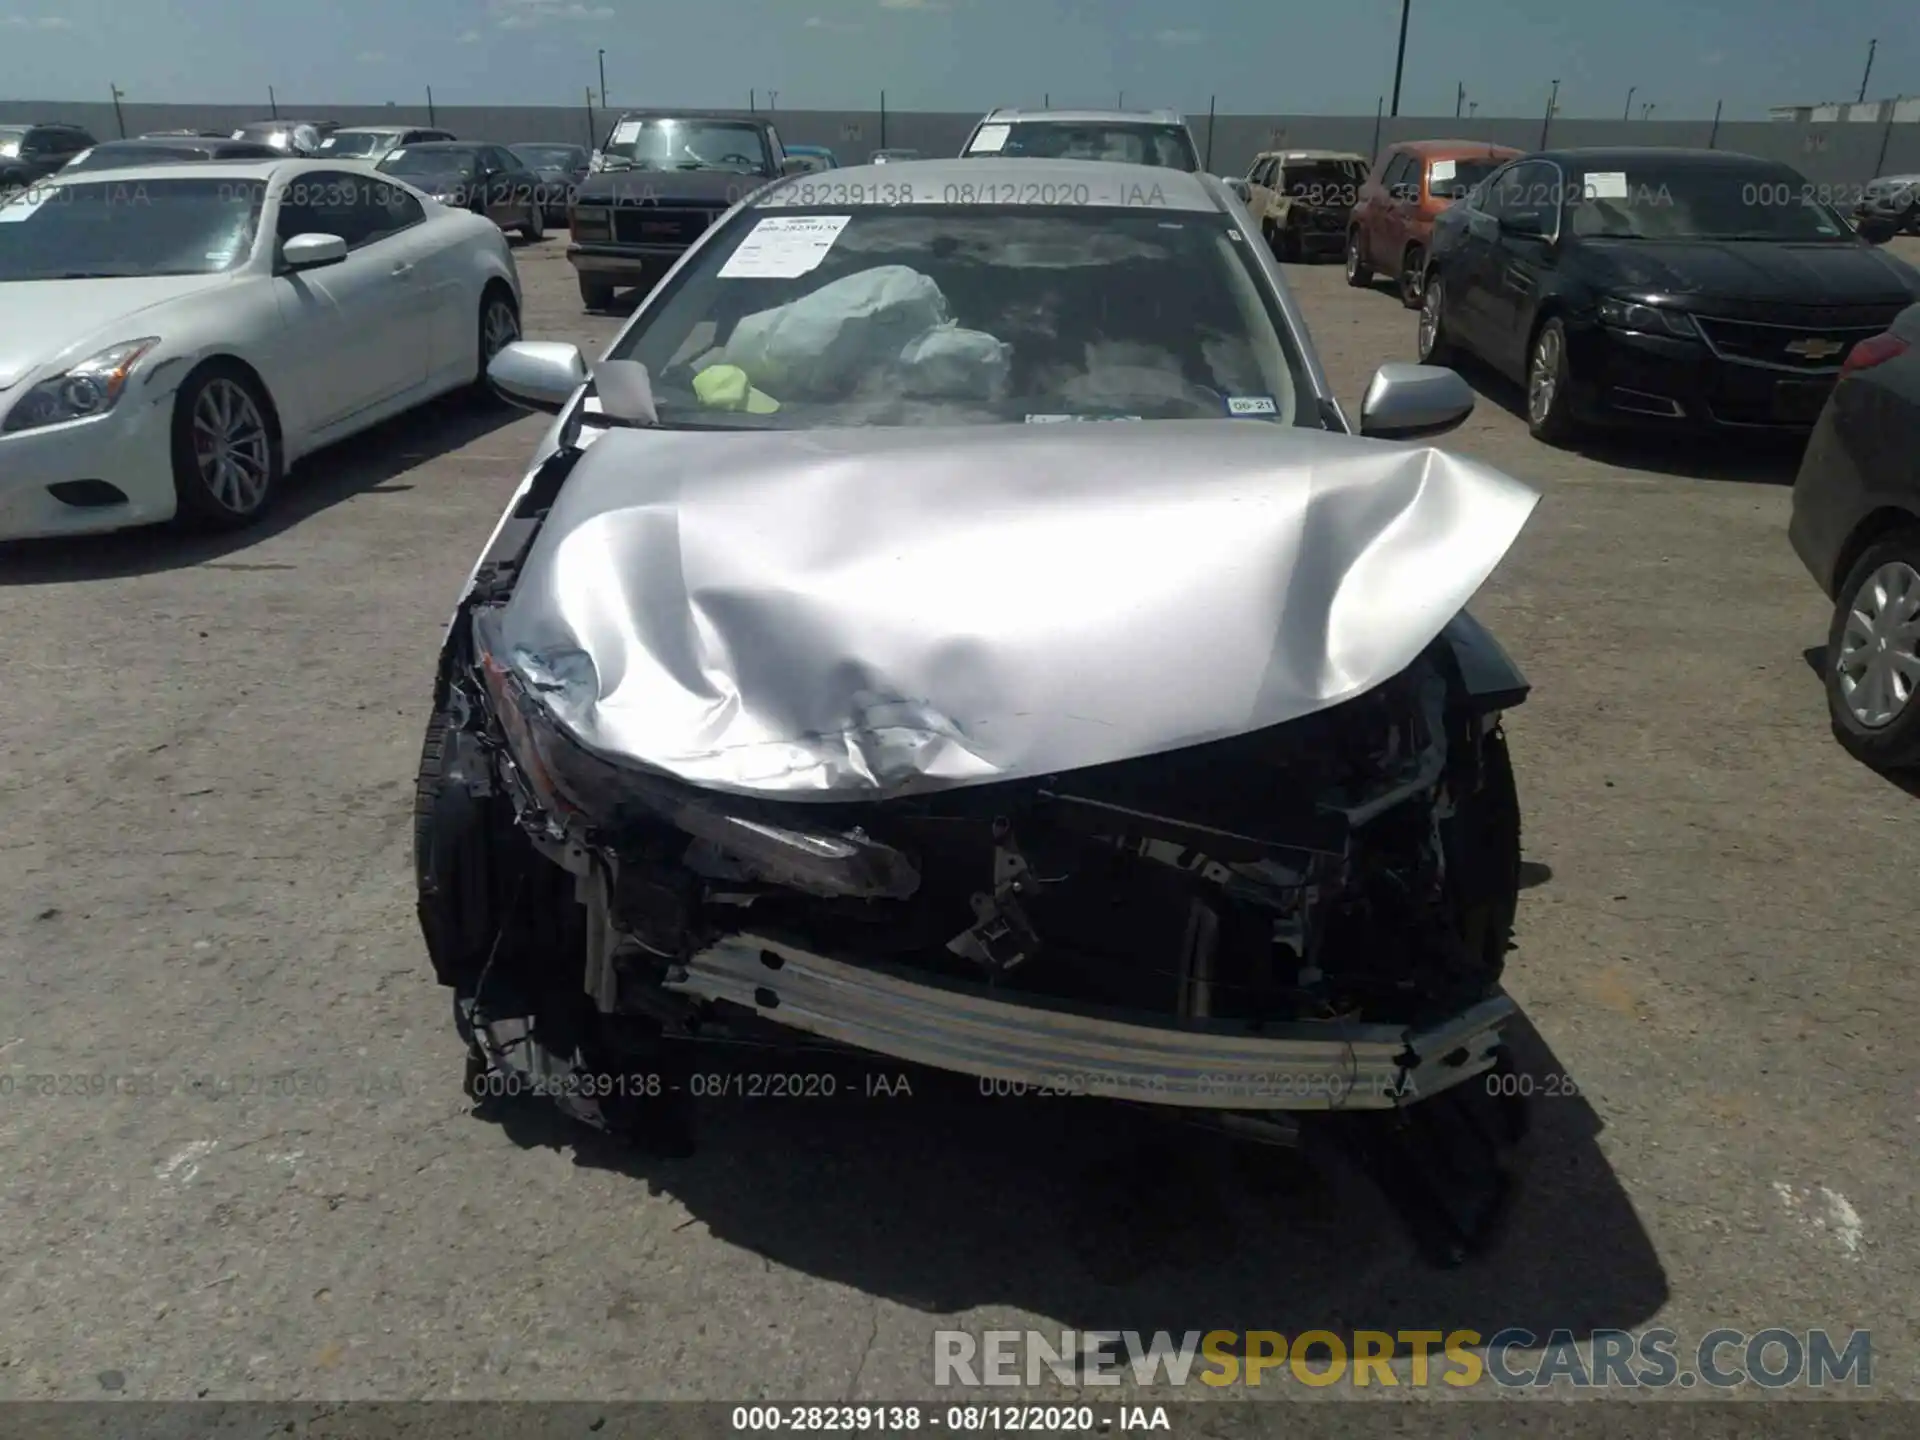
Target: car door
[
  {"x": 497, "y": 175},
  {"x": 1260, "y": 187},
  {"x": 344, "y": 349},
  {"x": 1398, "y": 207},
  {"x": 1469, "y": 266},
  {"x": 1520, "y": 265},
  {"x": 394, "y": 229}
]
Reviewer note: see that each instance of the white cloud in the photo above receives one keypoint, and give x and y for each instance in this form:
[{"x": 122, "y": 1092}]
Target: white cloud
[
  {"x": 29, "y": 22},
  {"x": 471, "y": 37},
  {"x": 912, "y": 5},
  {"x": 531, "y": 14},
  {"x": 373, "y": 57},
  {"x": 1180, "y": 37},
  {"x": 816, "y": 22}
]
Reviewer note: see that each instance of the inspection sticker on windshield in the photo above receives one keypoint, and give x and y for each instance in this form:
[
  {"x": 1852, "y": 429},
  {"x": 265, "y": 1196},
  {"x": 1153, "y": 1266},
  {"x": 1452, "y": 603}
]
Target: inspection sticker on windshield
[
  {"x": 1442, "y": 170},
  {"x": 1251, "y": 405},
  {"x": 391, "y": 154},
  {"x": 991, "y": 140},
  {"x": 1607, "y": 185},
  {"x": 626, "y": 132},
  {"x": 784, "y": 247}
]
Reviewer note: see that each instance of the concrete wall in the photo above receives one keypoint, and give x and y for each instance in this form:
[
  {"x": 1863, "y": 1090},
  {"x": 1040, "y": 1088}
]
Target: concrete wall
[{"x": 1839, "y": 153}]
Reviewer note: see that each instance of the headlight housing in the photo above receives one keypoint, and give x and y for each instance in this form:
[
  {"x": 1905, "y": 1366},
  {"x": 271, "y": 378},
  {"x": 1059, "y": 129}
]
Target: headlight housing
[
  {"x": 1633, "y": 315},
  {"x": 83, "y": 391},
  {"x": 590, "y": 221}
]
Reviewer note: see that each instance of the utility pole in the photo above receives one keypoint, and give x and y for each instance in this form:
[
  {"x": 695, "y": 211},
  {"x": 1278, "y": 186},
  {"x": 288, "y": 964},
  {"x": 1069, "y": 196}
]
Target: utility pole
[
  {"x": 753, "y": 102},
  {"x": 883, "y": 119},
  {"x": 273, "y": 104},
  {"x": 1872, "y": 45},
  {"x": 1459, "y": 99},
  {"x": 593, "y": 138},
  {"x": 1473, "y": 107},
  {"x": 1400, "y": 60},
  {"x": 1714, "y": 134},
  {"x": 1553, "y": 103},
  {"x": 773, "y": 101},
  {"x": 432, "y": 119},
  {"x": 1626, "y": 112},
  {"x": 603, "y": 79},
  {"x": 1378, "y": 106},
  {"x": 1209, "y": 160},
  {"x": 1123, "y": 101},
  {"x": 118, "y": 118},
  {"x": 1646, "y": 111},
  {"x": 1046, "y": 101}
]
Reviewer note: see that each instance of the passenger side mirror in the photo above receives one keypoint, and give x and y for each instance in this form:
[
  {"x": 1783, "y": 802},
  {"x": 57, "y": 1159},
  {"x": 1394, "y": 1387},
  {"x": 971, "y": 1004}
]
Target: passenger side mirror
[
  {"x": 538, "y": 374},
  {"x": 1411, "y": 402},
  {"x": 310, "y": 252}
]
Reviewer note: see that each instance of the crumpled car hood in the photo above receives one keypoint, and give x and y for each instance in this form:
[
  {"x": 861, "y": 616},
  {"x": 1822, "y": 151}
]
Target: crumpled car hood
[{"x": 851, "y": 614}]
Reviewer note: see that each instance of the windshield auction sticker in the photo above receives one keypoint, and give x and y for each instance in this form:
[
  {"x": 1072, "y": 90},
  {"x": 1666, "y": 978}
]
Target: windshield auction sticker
[
  {"x": 784, "y": 247},
  {"x": 991, "y": 140},
  {"x": 1607, "y": 185},
  {"x": 1442, "y": 170}
]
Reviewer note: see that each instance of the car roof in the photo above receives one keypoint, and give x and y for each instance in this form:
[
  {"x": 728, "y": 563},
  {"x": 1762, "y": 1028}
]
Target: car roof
[
  {"x": 1669, "y": 156},
  {"x": 1455, "y": 149},
  {"x": 452, "y": 145},
  {"x": 1107, "y": 183},
  {"x": 1311, "y": 155},
  {"x": 722, "y": 116},
  {"x": 1015, "y": 116},
  {"x": 243, "y": 169},
  {"x": 381, "y": 129}
]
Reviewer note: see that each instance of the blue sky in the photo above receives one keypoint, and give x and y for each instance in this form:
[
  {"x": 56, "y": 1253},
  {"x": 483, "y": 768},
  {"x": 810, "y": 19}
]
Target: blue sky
[{"x": 1257, "y": 56}]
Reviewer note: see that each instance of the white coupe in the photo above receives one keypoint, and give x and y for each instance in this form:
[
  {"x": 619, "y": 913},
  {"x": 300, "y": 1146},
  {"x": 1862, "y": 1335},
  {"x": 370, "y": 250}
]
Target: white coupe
[{"x": 171, "y": 340}]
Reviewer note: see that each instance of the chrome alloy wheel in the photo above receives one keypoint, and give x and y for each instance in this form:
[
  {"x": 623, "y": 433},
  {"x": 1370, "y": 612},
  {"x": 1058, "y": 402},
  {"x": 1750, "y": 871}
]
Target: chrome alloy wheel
[
  {"x": 1430, "y": 304},
  {"x": 1543, "y": 376},
  {"x": 231, "y": 447},
  {"x": 1879, "y": 662},
  {"x": 499, "y": 329}
]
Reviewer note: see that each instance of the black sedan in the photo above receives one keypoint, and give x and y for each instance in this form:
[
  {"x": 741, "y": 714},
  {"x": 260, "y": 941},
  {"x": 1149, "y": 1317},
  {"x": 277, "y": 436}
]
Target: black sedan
[
  {"x": 1690, "y": 288},
  {"x": 1856, "y": 524},
  {"x": 155, "y": 150},
  {"x": 486, "y": 179},
  {"x": 559, "y": 169}
]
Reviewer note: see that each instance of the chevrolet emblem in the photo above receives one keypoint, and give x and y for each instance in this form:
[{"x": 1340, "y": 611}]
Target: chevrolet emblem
[{"x": 1812, "y": 349}]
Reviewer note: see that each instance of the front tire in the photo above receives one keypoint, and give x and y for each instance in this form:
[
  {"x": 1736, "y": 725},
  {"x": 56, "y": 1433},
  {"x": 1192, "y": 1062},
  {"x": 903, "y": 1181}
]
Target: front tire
[
  {"x": 499, "y": 327},
  {"x": 1413, "y": 278},
  {"x": 1359, "y": 273},
  {"x": 227, "y": 456},
  {"x": 1873, "y": 656},
  {"x": 1435, "y": 345},
  {"x": 1550, "y": 386},
  {"x": 595, "y": 295},
  {"x": 535, "y": 228}
]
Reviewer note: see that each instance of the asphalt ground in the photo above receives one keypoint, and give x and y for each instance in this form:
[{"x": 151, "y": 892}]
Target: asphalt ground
[{"x": 206, "y": 757}]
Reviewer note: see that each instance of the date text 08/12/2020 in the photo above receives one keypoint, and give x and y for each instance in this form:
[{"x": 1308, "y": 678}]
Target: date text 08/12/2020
[{"x": 958, "y": 1419}]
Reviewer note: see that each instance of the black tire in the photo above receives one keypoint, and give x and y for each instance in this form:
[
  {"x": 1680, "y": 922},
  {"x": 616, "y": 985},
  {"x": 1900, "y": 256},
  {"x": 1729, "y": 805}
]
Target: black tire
[
  {"x": 495, "y": 304},
  {"x": 1413, "y": 267},
  {"x": 1359, "y": 273},
  {"x": 195, "y": 496},
  {"x": 535, "y": 228},
  {"x": 1432, "y": 343},
  {"x": 596, "y": 295},
  {"x": 1554, "y": 424},
  {"x": 1893, "y": 745}
]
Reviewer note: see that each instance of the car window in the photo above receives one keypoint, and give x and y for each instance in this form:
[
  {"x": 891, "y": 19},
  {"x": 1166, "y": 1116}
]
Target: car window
[
  {"x": 153, "y": 225},
  {"x": 1398, "y": 172},
  {"x": 979, "y": 315},
  {"x": 324, "y": 202},
  {"x": 1529, "y": 188},
  {"x": 1494, "y": 192},
  {"x": 1125, "y": 142},
  {"x": 386, "y": 210},
  {"x": 1263, "y": 173}
]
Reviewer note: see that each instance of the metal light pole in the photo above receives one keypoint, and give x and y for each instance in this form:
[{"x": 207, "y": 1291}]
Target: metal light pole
[
  {"x": 1209, "y": 160},
  {"x": 1459, "y": 98},
  {"x": 883, "y": 119},
  {"x": 1646, "y": 111},
  {"x": 1714, "y": 134},
  {"x": 773, "y": 101},
  {"x": 593, "y": 137},
  {"x": 432, "y": 119},
  {"x": 1400, "y": 60},
  {"x": 1378, "y": 106},
  {"x": 603, "y": 79},
  {"x": 1872, "y": 45},
  {"x": 1473, "y": 107},
  {"x": 273, "y": 104},
  {"x": 1626, "y": 112},
  {"x": 118, "y": 118},
  {"x": 1553, "y": 103},
  {"x": 1123, "y": 101},
  {"x": 753, "y": 102}
]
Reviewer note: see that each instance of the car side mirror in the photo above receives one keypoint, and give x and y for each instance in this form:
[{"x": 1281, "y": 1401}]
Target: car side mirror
[
  {"x": 310, "y": 252},
  {"x": 538, "y": 374},
  {"x": 795, "y": 165},
  {"x": 1410, "y": 402}
]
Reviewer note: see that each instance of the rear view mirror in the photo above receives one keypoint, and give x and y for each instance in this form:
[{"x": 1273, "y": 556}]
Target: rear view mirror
[
  {"x": 538, "y": 374},
  {"x": 1410, "y": 402}
]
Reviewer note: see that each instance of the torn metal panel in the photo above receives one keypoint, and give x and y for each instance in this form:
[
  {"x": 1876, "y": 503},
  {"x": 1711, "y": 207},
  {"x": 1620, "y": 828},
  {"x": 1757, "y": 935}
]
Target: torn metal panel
[{"x": 853, "y": 614}]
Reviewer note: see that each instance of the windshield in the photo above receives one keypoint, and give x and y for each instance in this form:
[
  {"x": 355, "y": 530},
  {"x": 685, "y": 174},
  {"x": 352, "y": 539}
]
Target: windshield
[
  {"x": 429, "y": 162},
  {"x": 934, "y": 315},
  {"x": 1452, "y": 179},
  {"x": 1699, "y": 202},
  {"x": 548, "y": 157},
  {"x": 363, "y": 143},
  {"x": 686, "y": 145},
  {"x": 1167, "y": 146},
  {"x": 92, "y": 229},
  {"x": 1323, "y": 182}
]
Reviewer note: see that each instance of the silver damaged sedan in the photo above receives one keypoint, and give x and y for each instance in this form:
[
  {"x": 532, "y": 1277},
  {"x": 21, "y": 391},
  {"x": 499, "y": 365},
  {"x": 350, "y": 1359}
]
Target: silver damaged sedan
[{"x": 955, "y": 631}]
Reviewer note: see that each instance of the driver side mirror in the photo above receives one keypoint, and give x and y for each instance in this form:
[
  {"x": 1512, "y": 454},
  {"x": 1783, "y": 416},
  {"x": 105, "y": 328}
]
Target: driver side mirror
[
  {"x": 538, "y": 374},
  {"x": 1411, "y": 402},
  {"x": 310, "y": 252}
]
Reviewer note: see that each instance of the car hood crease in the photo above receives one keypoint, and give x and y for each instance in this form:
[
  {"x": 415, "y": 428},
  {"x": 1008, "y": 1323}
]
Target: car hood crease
[
  {"x": 44, "y": 320},
  {"x": 851, "y": 614}
]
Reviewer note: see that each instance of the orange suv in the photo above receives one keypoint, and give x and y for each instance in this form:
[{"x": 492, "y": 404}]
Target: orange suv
[{"x": 1411, "y": 183}]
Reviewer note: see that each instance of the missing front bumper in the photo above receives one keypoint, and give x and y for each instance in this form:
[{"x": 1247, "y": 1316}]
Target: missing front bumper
[{"x": 1299, "y": 1066}]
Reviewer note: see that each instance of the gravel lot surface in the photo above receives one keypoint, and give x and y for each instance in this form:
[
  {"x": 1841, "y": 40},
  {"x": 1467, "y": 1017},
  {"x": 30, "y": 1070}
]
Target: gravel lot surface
[{"x": 206, "y": 757}]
